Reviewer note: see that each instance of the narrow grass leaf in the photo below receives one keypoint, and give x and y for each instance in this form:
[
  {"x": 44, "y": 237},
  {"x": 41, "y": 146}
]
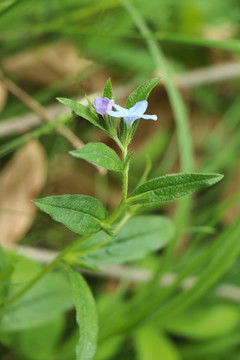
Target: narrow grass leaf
[
  {"x": 80, "y": 213},
  {"x": 222, "y": 258}
]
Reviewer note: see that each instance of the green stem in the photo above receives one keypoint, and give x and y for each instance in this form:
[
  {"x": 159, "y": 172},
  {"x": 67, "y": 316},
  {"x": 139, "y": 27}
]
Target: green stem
[
  {"x": 125, "y": 184},
  {"x": 118, "y": 142},
  {"x": 45, "y": 270},
  {"x": 182, "y": 127},
  {"x": 103, "y": 242},
  {"x": 109, "y": 221},
  {"x": 124, "y": 176},
  {"x": 179, "y": 109}
]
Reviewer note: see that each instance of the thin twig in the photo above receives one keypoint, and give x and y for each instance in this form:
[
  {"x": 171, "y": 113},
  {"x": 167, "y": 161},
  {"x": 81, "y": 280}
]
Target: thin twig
[
  {"x": 25, "y": 98},
  {"x": 26, "y": 122},
  {"x": 209, "y": 74},
  {"x": 39, "y": 110},
  {"x": 43, "y": 114}
]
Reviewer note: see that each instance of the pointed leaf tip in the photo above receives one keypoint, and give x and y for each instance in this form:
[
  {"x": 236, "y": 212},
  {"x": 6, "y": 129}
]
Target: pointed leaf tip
[
  {"x": 80, "y": 213},
  {"x": 171, "y": 187}
]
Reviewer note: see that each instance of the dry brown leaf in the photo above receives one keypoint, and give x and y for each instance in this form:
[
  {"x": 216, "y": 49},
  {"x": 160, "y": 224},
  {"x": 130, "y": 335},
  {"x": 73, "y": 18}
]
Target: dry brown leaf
[
  {"x": 20, "y": 182},
  {"x": 45, "y": 66},
  {"x": 223, "y": 32}
]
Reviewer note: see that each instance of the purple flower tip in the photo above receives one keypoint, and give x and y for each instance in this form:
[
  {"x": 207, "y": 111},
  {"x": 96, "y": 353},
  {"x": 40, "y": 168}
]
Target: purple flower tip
[{"x": 103, "y": 105}]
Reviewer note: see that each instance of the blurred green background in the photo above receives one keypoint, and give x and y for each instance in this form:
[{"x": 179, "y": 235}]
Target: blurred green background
[{"x": 57, "y": 48}]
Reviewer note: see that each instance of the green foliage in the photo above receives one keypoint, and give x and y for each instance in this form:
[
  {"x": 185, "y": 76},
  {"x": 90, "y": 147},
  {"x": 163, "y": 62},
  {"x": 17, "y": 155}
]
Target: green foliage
[
  {"x": 151, "y": 344},
  {"x": 42, "y": 303},
  {"x": 137, "y": 238},
  {"x": 86, "y": 316},
  {"x": 99, "y": 154},
  {"x": 157, "y": 37},
  {"x": 46, "y": 129},
  {"x": 80, "y": 213},
  {"x": 205, "y": 323},
  {"x": 39, "y": 343},
  {"x": 82, "y": 111},
  {"x": 24, "y": 269},
  {"x": 108, "y": 90},
  {"x": 141, "y": 93},
  {"x": 6, "y": 270},
  {"x": 170, "y": 187},
  {"x": 109, "y": 348}
]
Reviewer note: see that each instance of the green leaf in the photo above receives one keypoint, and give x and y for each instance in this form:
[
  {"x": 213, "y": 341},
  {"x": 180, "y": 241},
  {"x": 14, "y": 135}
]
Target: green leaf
[
  {"x": 142, "y": 92},
  {"x": 24, "y": 269},
  {"x": 99, "y": 154},
  {"x": 19, "y": 269},
  {"x": 80, "y": 213},
  {"x": 206, "y": 322},
  {"x": 91, "y": 108},
  {"x": 137, "y": 238},
  {"x": 3, "y": 261},
  {"x": 108, "y": 349},
  {"x": 86, "y": 316},
  {"x": 6, "y": 269},
  {"x": 108, "y": 90},
  {"x": 170, "y": 187},
  {"x": 39, "y": 343},
  {"x": 82, "y": 111},
  {"x": 42, "y": 303},
  {"x": 152, "y": 345}
]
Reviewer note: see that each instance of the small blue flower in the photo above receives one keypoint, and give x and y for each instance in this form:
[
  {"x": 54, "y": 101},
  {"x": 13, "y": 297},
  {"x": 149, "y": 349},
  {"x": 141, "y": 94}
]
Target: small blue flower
[
  {"x": 103, "y": 105},
  {"x": 132, "y": 114}
]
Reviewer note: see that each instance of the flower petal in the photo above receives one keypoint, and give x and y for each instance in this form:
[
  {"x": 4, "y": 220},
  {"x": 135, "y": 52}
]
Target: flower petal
[
  {"x": 121, "y": 109},
  {"x": 139, "y": 108},
  {"x": 102, "y": 105},
  {"x": 130, "y": 119},
  {"x": 117, "y": 114},
  {"x": 149, "y": 117}
]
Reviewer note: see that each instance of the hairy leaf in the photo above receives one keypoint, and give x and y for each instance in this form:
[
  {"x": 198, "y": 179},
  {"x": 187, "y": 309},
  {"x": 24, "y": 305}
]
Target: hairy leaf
[
  {"x": 99, "y": 154},
  {"x": 80, "y": 213},
  {"x": 108, "y": 90},
  {"x": 141, "y": 93},
  {"x": 41, "y": 304},
  {"x": 82, "y": 111},
  {"x": 137, "y": 238},
  {"x": 170, "y": 187}
]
